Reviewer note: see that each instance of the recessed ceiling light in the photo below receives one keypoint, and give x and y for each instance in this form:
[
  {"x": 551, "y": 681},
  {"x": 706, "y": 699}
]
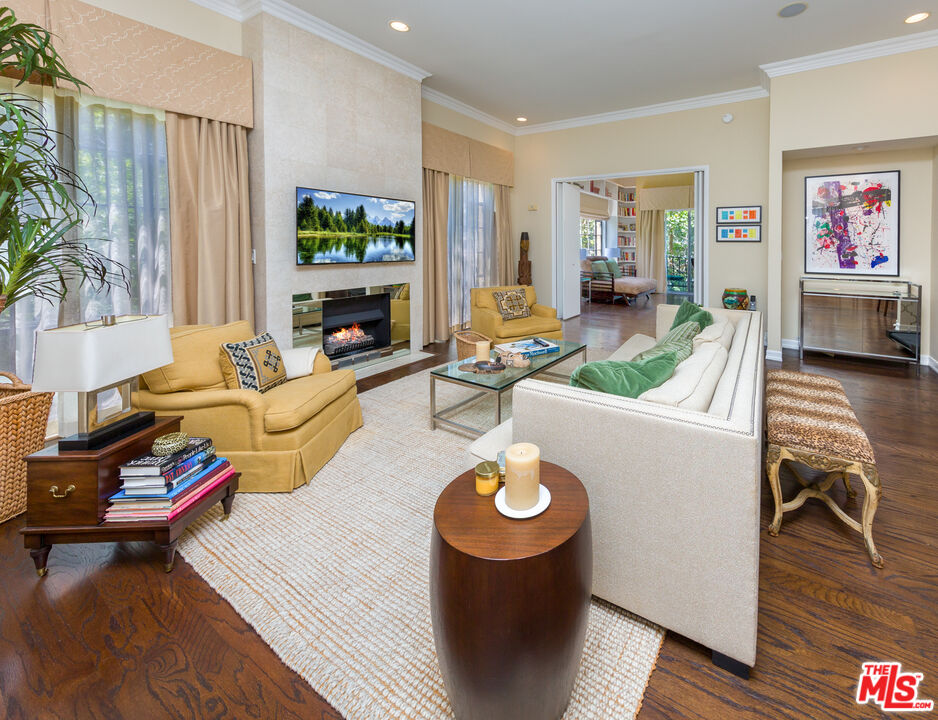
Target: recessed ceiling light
[
  {"x": 399, "y": 26},
  {"x": 793, "y": 9},
  {"x": 521, "y": 119},
  {"x": 860, "y": 148},
  {"x": 917, "y": 17}
]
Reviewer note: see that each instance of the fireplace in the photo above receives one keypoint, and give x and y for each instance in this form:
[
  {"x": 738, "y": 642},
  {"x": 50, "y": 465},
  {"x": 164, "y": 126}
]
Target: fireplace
[{"x": 352, "y": 326}]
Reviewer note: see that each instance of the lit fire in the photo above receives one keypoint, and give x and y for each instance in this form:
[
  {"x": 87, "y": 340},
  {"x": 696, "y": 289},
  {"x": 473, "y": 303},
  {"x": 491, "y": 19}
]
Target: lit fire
[{"x": 349, "y": 334}]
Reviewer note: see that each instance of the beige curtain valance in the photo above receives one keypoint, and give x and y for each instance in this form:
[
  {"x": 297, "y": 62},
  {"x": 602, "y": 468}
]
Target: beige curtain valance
[
  {"x": 666, "y": 198},
  {"x": 122, "y": 59},
  {"x": 457, "y": 154}
]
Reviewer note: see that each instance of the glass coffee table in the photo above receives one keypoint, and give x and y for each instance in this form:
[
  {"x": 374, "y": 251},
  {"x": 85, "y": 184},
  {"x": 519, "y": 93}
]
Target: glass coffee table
[{"x": 495, "y": 384}]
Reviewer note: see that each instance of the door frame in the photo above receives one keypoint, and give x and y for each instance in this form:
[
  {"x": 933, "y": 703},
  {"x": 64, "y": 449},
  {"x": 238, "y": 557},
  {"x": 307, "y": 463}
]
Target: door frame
[{"x": 701, "y": 239}]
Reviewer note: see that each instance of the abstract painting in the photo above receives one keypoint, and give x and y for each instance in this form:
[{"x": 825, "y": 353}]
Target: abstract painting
[
  {"x": 739, "y": 233},
  {"x": 739, "y": 214},
  {"x": 852, "y": 224}
]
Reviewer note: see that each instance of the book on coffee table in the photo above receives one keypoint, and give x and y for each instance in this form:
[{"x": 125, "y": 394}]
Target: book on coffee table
[{"x": 529, "y": 348}]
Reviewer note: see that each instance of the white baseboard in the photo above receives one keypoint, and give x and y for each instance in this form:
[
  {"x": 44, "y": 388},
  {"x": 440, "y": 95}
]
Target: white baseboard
[
  {"x": 929, "y": 361},
  {"x": 791, "y": 344},
  {"x": 775, "y": 355}
]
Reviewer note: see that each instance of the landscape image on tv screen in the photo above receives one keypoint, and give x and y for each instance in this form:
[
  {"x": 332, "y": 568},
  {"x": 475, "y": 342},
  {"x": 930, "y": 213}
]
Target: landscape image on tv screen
[{"x": 334, "y": 227}]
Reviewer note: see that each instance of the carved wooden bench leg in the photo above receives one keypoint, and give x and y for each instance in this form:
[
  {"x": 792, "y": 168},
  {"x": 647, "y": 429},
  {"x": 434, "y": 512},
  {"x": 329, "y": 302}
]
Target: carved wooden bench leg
[
  {"x": 870, "y": 477},
  {"x": 850, "y": 491},
  {"x": 773, "y": 461}
]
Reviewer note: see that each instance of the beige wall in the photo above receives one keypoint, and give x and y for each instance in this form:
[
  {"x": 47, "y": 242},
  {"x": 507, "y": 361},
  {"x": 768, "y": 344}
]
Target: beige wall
[
  {"x": 916, "y": 207},
  {"x": 181, "y": 17},
  {"x": 735, "y": 154},
  {"x": 464, "y": 125},
  {"x": 876, "y": 100},
  {"x": 325, "y": 118}
]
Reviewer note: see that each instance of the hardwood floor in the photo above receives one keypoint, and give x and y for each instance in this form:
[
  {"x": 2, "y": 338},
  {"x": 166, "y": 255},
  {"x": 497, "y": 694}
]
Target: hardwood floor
[{"x": 108, "y": 634}]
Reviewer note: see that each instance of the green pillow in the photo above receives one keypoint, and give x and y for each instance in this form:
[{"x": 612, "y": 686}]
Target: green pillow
[
  {"x": 679, "y": 340},
  {"x": 690, "y": 311},
  {"x": 628, "y": 379},
  {"x": 614, "y": 268},
  {"x": 600, "y": 270}
]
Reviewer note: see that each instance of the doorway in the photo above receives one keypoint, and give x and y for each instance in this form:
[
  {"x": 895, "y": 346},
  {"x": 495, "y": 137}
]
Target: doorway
[{"x": 666, "y": 244}]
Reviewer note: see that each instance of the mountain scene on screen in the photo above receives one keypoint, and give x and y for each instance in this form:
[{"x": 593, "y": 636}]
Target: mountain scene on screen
[{"x": 334, "y": 227}]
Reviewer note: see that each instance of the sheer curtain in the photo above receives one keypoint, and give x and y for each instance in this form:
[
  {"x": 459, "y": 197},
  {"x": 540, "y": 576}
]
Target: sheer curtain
[
  {"x": 472, "y": 252},
  {"x": 120, "y": 153}
]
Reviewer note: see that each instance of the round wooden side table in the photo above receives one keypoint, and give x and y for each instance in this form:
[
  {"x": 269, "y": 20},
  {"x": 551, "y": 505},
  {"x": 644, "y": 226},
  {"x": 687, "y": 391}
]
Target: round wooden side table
[{"x": 510, "y": 599}]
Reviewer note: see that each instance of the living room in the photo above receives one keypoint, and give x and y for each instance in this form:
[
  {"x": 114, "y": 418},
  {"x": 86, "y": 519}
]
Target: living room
[{"x": 320, "y": 246}]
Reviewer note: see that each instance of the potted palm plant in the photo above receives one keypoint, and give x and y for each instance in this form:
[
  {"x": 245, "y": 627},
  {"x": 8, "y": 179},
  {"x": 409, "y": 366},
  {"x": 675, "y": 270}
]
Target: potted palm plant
[
  {"x": 42, "y": 202},
  {"x": 42, "y": 205}
]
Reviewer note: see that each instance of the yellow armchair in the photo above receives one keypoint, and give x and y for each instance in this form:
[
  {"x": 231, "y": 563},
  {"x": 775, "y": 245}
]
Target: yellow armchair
[
  {"x": 486, "y": 319},
  {"x": 279, "y": 439}
]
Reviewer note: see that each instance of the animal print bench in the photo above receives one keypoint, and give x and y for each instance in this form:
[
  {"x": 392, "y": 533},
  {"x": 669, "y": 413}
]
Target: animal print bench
[{"x": 809, "y": 420}]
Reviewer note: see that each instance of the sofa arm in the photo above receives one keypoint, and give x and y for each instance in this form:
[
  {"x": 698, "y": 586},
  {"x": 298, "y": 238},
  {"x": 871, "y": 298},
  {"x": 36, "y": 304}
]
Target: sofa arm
[
  {"x": 543, "y": 311},
  {"x": 486, "y": 321},
  {"x": 234, "y": 419},
  {"x": 321, "y": 364}
]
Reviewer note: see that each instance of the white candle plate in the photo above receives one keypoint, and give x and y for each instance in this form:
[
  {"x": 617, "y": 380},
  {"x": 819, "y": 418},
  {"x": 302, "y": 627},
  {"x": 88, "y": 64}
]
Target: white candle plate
[{"x": 543, "y": 500}]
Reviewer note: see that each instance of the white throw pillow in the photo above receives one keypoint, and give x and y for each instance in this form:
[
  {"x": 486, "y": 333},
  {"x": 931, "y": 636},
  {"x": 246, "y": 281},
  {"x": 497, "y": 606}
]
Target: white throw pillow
[
  {"x": 687, "y": 375},
  {"x": 700, "y": 399},
  {"x": 299, "y": 361},
  {"x": 722, "y": 331}
]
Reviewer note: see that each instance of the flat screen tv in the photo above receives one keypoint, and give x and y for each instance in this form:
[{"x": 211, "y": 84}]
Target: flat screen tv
[{"x": 334, "y": 227}]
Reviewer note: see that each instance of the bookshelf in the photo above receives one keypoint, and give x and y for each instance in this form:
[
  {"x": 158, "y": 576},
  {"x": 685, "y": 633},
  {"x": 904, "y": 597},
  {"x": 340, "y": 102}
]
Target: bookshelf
[{"x": 627, "y": 224}]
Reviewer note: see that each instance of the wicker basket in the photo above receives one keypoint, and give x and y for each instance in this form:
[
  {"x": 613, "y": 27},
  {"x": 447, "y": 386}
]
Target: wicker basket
[
  {"x": 23, "y": 418},
  {"x": 466, "y": 343}
]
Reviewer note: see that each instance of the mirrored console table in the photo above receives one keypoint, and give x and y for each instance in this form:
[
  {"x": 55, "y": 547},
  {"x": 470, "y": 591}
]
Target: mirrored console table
[{"x": 863, "y": 318}]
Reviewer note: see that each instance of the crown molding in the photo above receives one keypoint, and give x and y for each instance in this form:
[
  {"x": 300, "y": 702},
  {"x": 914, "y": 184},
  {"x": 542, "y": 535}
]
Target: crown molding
[
  {"x": 229, "y": 8},
  {"x": 435, "y": 96},
  {"x": 242, "y": 10},
  {"x": 693, "y": 103},
  {"x": 867, "y": 51}
]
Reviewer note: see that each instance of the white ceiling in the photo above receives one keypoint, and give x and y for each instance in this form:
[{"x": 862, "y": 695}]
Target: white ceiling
[{"x": 553, "y": 60}]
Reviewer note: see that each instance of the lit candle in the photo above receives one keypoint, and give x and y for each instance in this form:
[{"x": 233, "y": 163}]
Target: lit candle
[
  {"x": 482, "y": 351},
  {"x": 522, "y": 475}
]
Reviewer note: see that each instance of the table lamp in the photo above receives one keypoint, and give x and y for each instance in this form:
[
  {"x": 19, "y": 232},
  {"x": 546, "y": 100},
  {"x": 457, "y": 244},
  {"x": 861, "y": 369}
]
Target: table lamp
[{"x": 90, "y": 358}]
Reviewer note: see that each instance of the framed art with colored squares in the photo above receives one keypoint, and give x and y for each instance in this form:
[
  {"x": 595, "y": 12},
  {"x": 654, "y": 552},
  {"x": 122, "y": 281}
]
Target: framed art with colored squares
[
  {"x": 739, "y": 214},
  {"x": 739, "y": 233}
]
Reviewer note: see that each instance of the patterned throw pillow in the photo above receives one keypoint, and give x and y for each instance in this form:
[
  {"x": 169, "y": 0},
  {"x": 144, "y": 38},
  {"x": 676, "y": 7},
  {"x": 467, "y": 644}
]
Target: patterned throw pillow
[
  {"x": 512, "y": 304},
  {"x": 679, "y": 340},
  {"x": 254, "y": 364}
]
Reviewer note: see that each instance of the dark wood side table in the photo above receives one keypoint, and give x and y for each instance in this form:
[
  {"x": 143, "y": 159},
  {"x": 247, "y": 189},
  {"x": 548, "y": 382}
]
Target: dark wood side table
[
  {"x": 510, "y": 599},
  {"x": 67, "y": 494}
]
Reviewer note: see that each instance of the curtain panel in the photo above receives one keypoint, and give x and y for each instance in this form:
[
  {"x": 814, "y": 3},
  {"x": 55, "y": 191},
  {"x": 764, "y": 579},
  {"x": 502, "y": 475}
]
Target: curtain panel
[
  {"x": 473, "y": 257},
  {"x": 213, "y": 278},
  {"x": 503, "y": 239},
  {"x": 435, "y": 257},
  {"x": 651, "y": 247}
]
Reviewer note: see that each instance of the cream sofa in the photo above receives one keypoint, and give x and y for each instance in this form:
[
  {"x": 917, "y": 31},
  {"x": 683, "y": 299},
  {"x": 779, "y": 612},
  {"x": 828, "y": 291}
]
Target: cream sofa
[{"x": 674, "y": 492}]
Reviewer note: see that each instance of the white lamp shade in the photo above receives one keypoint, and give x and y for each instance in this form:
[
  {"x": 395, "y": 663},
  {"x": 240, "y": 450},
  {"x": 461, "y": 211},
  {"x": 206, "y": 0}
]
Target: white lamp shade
[{"x": 89, "y": 356}]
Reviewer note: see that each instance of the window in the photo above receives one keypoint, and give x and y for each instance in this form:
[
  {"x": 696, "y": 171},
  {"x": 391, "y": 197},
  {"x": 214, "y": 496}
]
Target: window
[
  {"x": 470, "y": 244},
  {"x": 119, "y": 151},
  {"x": 679, "y": 251},
  {"x": 592, "y": 231}
]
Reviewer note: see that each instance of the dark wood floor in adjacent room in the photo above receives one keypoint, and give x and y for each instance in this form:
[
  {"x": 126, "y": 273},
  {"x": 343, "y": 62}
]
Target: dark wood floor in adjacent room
[{"x": 108, "y": 634}]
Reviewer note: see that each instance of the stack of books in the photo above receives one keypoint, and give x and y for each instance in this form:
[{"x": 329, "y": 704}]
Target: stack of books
[{"x": 160, "y": 488}]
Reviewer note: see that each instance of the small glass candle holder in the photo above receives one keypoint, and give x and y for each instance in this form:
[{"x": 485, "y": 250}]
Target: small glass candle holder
[{"x": 487, "y": 478}]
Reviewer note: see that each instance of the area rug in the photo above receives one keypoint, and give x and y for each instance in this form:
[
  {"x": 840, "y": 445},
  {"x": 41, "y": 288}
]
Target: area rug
[{"x": 335, "y": 576}]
